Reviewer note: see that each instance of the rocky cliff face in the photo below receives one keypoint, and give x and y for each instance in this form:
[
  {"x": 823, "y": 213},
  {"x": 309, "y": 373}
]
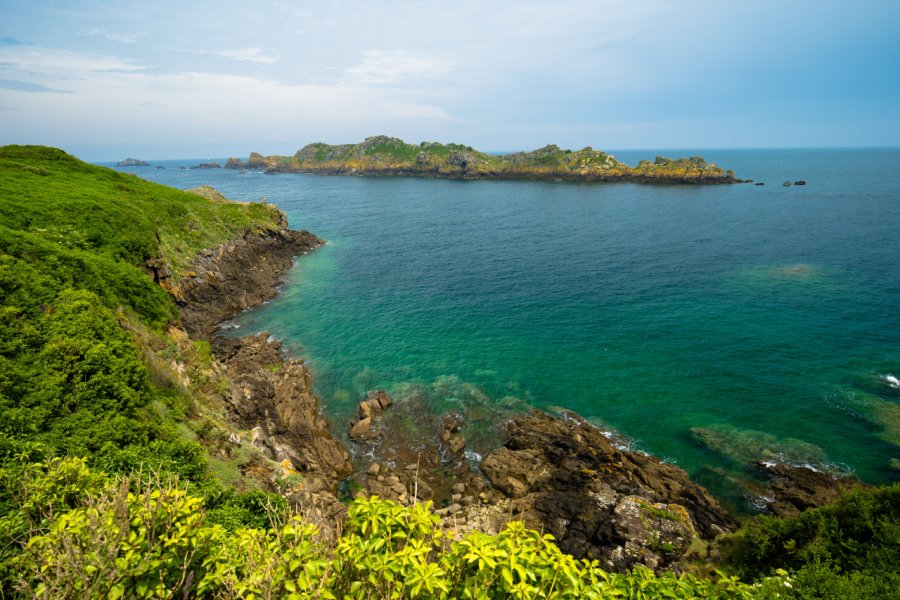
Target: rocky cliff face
[
  {"x": 268, "y": 395},
  {"x": 272, "y": 396},
  {"x": 235, "y": 276}
]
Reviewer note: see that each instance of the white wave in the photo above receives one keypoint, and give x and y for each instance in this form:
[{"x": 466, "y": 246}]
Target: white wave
[
  {"x": 892, "y": 381},
  {"x": 473, "y": 456}
]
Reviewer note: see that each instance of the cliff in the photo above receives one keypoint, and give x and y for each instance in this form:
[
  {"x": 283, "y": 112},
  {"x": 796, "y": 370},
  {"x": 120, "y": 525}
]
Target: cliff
[{"x": 386, "y": 156}]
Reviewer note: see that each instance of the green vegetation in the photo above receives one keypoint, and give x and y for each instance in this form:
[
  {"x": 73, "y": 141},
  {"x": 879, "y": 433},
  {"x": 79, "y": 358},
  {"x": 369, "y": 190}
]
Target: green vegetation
[
  {"x": 850, "y": 549},
  {"x": 83, "y": 330},
  {"x": 109, "y": 486},
  {"x": 96, "y": 536},
  {"x": 382, "y": 155}
]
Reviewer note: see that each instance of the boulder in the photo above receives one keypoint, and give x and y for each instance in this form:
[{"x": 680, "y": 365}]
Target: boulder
[{"x": 376, "y": 402}]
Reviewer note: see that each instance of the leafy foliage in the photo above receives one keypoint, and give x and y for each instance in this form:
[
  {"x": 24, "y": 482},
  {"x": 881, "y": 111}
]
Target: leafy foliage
[
  {"x": 849, "y": 549},
  {"x": 132, "y": 539}
]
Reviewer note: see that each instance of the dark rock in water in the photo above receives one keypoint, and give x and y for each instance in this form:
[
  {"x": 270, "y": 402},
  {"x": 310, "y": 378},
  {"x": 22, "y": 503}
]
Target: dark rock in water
[
  {"x": 565, "y": 477},
  {"x": 759, "y": 183},
  {"x": 207, "y": 165},
  {"x": 786, "y": 184},
  {"x": 795, "y": 489},
  {"x": 800, "y": 182},
  {"x": 132, "y": 162}
]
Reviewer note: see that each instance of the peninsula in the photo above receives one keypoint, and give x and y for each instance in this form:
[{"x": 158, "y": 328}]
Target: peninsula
[{"x": 387, "y": 156}]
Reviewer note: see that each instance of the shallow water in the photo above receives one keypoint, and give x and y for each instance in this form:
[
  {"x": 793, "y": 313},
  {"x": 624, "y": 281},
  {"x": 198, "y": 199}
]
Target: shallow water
[{"x": 651, "y": 309}]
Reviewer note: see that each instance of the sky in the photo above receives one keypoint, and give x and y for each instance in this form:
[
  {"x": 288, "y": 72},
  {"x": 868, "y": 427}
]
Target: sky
[{"x": 161, "y": 79}]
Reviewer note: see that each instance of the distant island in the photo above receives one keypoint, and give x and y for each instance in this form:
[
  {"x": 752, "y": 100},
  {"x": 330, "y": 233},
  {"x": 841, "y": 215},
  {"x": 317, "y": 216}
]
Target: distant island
[
  {"x": 387, "y": 156},
  {"x": 207, "y": 165},
  {"x": 132, "y": 162}
]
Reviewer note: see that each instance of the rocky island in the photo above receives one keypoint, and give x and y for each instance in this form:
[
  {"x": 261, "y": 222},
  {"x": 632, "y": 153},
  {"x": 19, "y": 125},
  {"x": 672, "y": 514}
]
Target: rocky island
[
  {"x": 132, "y": 162},
  {"x": 387, "y": 156}
]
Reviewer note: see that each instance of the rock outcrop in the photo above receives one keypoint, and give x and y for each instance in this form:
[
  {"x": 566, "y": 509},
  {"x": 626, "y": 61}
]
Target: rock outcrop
[
  {"x": 793, "y": 489},
  {"x": 233, "y": 277},
  {"x": 565, "y": 477},
  {"x": 376, "y": 402},
  {"x": 273, "y": 397}
]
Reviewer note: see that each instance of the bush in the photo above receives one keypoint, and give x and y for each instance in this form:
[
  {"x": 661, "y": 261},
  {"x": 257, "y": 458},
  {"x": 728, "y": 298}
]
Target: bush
[{"x": 153, "y": 540}]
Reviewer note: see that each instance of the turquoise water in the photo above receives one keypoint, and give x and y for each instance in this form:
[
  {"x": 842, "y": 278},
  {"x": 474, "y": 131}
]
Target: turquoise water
[{"x": 767, "y": 314}]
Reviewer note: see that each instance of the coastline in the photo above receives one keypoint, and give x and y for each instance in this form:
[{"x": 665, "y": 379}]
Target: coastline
[
  {"x": 530, "y": 476},
  {"x": 557, "y": 473}
]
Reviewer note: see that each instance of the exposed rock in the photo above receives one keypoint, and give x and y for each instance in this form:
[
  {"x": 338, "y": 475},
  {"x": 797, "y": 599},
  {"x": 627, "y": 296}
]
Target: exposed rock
[
  {"x": 562, "y": 475},
  {"x": 793, "y": 489},
  {"x": 207, "y": 165},
  {"x": 273, "y": 396},
  {"x": 376, "y": 402},
  {"x": 233, "y": 277},
  {"x": 800, "y": 182},
  {"x": 786, "y": 184},
  {"x": 208, "y": 192},
  {"x": 452, "y": 440}
]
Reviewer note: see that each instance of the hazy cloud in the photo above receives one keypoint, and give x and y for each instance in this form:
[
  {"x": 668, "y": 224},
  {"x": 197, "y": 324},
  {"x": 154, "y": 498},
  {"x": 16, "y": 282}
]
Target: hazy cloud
[
  {"x": 26, "y": 86},
  {"x": 122, "y": 38},
  {"x": 249, "y": 55},
  {"x": 391, "y": 66}
]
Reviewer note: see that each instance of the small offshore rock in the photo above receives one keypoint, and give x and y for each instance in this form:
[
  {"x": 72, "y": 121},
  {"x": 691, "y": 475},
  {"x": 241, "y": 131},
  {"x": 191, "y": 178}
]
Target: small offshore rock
[
  {"x": 786, "y": 184},
  {"x": 800, "y": 182},
  {"x": 360, "y": 428}
]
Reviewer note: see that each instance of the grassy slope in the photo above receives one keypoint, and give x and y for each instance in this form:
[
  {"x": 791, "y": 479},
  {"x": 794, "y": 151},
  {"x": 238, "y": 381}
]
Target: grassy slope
[{"x": 88, "y": 364}]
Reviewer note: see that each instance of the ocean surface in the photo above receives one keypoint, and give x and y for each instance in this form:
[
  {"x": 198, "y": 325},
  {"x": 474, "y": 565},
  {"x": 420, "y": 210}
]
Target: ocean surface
[{"x": 710, "y": 326}]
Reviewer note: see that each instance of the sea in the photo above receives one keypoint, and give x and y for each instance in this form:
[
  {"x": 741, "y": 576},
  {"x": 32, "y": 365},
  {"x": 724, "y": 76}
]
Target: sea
[{"x": 712, "y": 326}]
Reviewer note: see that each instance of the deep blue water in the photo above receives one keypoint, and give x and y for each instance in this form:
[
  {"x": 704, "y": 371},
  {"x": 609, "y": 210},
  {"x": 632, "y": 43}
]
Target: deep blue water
[{"x": 767, "y": 314}]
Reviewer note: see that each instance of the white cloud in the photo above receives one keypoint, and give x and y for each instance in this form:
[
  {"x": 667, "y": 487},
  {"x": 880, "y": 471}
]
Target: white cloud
[
  {"x": 122, "y": 38},
  {"x": 39, "y": 61},
  {"x": 391, "y": 66},
  {"x": 115, "y": 98},
  {"x": 249, "y": 55}
]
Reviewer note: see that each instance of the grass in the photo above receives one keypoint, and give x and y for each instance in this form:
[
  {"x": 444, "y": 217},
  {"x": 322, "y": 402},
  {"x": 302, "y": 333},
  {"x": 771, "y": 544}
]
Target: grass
[{"x": 80, "y": 207}]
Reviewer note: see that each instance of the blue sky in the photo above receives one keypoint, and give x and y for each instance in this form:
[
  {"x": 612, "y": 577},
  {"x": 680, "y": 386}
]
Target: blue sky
[{"x": 163, "y": 79}]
